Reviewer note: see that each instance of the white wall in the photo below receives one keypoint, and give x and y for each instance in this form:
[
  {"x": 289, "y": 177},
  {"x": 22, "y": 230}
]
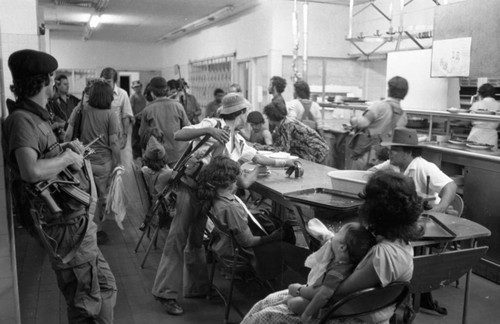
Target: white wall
[
  {"x": 261, "y": 30},
  {"x": 77, "y": 54},
  {"x": 425, "y": 92}
]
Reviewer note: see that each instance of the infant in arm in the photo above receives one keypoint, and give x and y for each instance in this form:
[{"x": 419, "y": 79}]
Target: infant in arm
[{"x": 330, "y": 265}]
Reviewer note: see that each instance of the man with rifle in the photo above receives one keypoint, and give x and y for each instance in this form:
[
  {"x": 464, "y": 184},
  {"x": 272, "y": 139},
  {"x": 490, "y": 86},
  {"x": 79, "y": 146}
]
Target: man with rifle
[
  {"x": 182, "y": 269},
  {"x": 54, "y": 192}
]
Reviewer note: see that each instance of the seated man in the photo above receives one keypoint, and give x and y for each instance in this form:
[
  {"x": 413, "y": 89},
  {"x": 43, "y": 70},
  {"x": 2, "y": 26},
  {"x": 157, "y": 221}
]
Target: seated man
[{"x": 405, "y": 157}]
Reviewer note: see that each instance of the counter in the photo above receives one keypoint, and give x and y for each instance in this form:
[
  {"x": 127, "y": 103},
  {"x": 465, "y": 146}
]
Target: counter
[{"x": 480, "y": 170}]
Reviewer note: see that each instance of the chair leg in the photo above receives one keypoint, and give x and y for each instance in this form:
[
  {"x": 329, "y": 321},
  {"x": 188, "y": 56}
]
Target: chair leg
[
  {"x": 151, "y": 242},
  {"x": 140, "y": 240}
]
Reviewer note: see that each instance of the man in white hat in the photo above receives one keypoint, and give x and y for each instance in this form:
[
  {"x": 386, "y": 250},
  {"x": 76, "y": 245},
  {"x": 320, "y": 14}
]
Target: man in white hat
[
  {"x": 405, "y": 157},
  {"x": 183, "y": 259}
]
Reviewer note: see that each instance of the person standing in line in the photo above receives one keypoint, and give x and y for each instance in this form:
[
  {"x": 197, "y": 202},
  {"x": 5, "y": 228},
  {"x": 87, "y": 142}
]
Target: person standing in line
[
  {"x": 121, "y": 106},
  {"x": 137, "y": 102},
  {"x": 177, "y": 89},
  {"x": 304, "y": 109},
  {"x": 61, "y": 105},
  {"x": 380, "y": 119},
  {"x": 212, "y": 106},
  {"x": 33, "y": 155},
  {"x": 276, "y": 87},
  {"x": 485, "y": 132},
  {"x": 168, "y": 116},
  {"x": 182, "y": 267}
]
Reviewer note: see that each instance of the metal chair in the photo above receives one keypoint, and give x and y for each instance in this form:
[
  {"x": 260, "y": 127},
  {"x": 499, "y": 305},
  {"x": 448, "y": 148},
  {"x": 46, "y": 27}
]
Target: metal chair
[
  {"x": 368, "y": 300},
  {"x": 233, "y": 264},
  {"x": 458, "y": 206},
  {"x": 156, "y": 218}
]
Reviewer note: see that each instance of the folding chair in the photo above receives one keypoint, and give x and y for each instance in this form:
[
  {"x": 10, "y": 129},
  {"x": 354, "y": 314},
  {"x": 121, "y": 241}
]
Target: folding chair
[
  {"x": 368, "y": 300},
  {"x": 434, "y": 271},
  {"x": 233, "y": 264},
  {"x": 155, "y": 218}
]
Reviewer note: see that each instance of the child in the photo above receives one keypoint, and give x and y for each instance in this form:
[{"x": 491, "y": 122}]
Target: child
[
  {"x": 331, "y": 264},
  {"x": 258, "y": 134},
  {"x": 268, "y": 253},
  {"x": 156, "y": 174}
]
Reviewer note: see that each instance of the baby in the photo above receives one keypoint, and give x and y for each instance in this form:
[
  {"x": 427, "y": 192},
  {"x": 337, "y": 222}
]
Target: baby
[{"x": 330, "y": 265}]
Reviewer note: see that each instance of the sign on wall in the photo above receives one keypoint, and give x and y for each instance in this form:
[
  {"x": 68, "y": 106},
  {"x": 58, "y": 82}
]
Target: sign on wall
[{"x": 451, "y": 57}]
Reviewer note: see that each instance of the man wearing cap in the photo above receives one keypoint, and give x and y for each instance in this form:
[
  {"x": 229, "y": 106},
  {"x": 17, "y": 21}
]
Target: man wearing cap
[
  {"x": 405, "y": 157},
  {"x": 182, "y": 266},
  {"x": 168, "y": 116},
  {"x": 138, "y": 102},
  {"x": 380, "y": 119},
  {"x": 69, "y": 236}
]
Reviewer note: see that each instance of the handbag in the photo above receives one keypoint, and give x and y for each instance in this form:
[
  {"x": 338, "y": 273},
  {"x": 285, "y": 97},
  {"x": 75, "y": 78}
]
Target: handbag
[{"x": 361, "y": 142}]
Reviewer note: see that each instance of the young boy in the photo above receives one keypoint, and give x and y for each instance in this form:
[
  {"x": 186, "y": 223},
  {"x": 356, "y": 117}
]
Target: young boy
[
  {"x": 330, "y": 265},
  {"x": 258, "y": 134}
]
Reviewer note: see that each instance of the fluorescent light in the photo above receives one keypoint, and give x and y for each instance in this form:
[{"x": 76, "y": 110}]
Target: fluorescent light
[
  {"x": 197, "y": 24},
  {"x": 94, "y": 21}
]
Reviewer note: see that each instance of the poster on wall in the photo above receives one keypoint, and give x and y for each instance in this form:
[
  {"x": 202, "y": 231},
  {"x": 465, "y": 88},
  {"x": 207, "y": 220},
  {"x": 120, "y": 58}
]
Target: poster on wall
[{"x": 451, "y": 57}]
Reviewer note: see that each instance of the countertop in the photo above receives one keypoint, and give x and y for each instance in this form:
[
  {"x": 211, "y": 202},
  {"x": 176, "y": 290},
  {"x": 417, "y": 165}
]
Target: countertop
[{"x": 489, "y": 155}]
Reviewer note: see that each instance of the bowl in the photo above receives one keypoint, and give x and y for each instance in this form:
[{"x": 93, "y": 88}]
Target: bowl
[{"x": 350, "y": 182}]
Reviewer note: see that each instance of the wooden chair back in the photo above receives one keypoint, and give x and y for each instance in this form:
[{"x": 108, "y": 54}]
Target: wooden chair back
[
  {"x": 368, "y": 300},
  {"x": 434, "y": 271}
]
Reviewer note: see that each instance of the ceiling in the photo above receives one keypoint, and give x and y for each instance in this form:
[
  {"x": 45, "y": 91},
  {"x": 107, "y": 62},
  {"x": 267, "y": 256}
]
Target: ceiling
[{"x": 137, "y": 20}]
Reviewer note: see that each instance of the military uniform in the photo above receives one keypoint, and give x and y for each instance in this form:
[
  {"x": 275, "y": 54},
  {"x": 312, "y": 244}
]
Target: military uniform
[{"x": 83, "y": 275}]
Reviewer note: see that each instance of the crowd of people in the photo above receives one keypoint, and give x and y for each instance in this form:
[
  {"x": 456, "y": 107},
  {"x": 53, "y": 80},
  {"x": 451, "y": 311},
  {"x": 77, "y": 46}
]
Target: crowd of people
[{"x": 45, "y": 137}]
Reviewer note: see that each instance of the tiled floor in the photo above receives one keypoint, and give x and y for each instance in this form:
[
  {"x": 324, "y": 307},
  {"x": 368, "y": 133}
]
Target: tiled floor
[{"x": 41, "y": 302}]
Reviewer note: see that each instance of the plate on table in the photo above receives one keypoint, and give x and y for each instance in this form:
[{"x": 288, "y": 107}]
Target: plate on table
[
  {"x": 457, "y": 141},
  {"x": 479, "y": 146},
  {"x": 457, "y": 110},
  {"x": 279, "y": 155},
  {"x": 265, "y": 153}
]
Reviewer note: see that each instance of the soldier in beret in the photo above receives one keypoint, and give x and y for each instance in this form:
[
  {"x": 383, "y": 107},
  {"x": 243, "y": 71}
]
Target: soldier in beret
[{"x": 60, "y": 221}]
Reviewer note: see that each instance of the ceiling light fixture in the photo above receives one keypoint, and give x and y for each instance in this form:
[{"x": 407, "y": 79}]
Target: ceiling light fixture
[{"x": 197, "y": 24}]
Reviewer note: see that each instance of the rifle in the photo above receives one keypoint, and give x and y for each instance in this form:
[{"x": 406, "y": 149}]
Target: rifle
[
  {"x": 167, "y": 195},
  {"x": 63, "y": 182}
]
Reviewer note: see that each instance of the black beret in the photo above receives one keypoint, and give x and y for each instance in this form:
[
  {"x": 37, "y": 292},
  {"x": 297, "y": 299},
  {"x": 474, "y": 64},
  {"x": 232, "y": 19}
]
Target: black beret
[
  {"x": 26, "y": 63},
  {"x": 158, "y": 83}
]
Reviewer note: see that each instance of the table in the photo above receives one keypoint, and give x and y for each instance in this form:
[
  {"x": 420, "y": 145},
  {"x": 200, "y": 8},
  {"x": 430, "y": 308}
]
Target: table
[{"x": 277, "y": 185}]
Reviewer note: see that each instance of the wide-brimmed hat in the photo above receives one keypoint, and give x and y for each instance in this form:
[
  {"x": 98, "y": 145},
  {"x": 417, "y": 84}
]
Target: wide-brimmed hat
[
  {"x": 403, "y": 137},
  {"x": 136, "y": 84},
  {"x": 154, "y": 149},
  {"x": 233, "y": 102},
  {"x": 26, "y": 63}
]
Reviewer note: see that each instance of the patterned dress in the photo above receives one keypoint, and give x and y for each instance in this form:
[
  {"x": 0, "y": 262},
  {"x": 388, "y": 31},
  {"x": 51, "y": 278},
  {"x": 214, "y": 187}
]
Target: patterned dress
[{"x": 294, "y": 137}]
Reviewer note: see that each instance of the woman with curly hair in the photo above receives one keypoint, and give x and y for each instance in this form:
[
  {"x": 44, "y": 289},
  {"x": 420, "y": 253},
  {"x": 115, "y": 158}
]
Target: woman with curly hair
[
  {"x": 390, "y": 211},
  {"x": 268, "y": 253}
]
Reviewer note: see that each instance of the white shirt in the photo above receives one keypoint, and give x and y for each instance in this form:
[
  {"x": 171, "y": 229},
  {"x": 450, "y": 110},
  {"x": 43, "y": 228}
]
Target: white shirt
[
  {"x": 296, "y": 111},
  {"x": 241, "y": 151},
  {"x": 419, "y": 169},
  {"x": 121, "y": 105}
]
